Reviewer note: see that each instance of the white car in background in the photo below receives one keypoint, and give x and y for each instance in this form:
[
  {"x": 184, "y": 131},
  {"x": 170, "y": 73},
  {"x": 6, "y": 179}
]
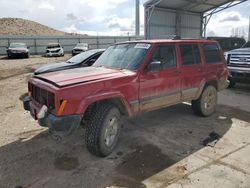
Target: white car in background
[
  {"x": 79, "y": 48},
  {"x": 54, "y": 49}
]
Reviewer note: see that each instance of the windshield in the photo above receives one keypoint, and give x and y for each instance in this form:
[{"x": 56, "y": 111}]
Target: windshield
[
  {"x": 53, "y": 46},
  {"x": 82, "y": 45},
  {"x": 81, "y": 57},
  {"x": 247, "y": 45},
  {"x": 18, "y": 45},
  {"x": 123, "y": 56}
]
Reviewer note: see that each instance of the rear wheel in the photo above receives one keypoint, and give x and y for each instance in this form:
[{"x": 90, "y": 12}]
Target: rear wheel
[
  {"x": 205, "y": 105},
  {"x": 103, "y": 129}
]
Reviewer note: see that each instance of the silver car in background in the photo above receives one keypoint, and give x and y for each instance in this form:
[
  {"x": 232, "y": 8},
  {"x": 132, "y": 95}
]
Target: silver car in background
[
  {"x": 79, "y": 48},
  {"x": 54, "y": 49}
]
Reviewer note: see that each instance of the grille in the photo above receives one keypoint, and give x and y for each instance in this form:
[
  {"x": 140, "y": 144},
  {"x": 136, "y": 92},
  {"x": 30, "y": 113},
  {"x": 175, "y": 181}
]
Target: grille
[
  {"x": 240, "y": 60},
  {"x": 42, "y": 96}
]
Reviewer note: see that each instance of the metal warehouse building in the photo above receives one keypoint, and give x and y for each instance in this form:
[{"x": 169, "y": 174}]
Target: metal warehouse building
[{"x": 184, "y": 18}]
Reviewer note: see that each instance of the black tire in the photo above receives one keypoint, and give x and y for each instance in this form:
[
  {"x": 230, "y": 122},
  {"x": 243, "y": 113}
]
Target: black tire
[
  {"x": 27, "y": 55},
  {"x": 203, "y": 108},
  {"x": 231, "y": 84},
  {"x": 97, "y": 125}
]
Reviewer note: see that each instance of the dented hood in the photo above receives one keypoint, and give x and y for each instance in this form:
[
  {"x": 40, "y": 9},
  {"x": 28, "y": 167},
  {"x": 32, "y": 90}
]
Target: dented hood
[{"x": 81, "y": 75}]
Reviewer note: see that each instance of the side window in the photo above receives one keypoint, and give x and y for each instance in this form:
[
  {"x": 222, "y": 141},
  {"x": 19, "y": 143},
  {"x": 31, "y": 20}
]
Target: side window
[
  {"x": 96, "y": 56},
  {"x": 190, "y": 54},
  {"x": 166, "y": 56},
  {"x": 212, "y": 53}
]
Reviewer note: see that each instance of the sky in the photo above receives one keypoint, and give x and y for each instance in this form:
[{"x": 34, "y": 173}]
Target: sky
[{"x": 110, "y": 17}]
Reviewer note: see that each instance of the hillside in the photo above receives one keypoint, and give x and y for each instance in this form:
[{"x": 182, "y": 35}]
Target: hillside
[{"x": 19, "y": 26}]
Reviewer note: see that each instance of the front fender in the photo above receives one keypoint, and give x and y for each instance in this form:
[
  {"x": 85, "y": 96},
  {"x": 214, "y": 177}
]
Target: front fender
[{"x": 104, "y": 96}]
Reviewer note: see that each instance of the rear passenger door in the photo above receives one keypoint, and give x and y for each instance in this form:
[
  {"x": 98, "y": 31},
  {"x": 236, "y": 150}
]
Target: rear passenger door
[
  {"x": 160, "y": 81},
  {"x": 191, "y": 70},
  {"x": 215, "y": 65}
]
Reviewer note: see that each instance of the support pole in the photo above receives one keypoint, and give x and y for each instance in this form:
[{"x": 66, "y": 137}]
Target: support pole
[{"x": 137, "y": 18}]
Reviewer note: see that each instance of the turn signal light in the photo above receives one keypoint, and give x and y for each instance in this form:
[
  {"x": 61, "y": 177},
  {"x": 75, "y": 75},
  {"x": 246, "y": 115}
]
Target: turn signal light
[{"x": 62, "y": 107}]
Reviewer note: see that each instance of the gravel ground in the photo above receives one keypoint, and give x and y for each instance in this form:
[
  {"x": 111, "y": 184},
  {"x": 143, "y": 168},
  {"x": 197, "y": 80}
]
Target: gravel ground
[{"x": 158, "y": 149}]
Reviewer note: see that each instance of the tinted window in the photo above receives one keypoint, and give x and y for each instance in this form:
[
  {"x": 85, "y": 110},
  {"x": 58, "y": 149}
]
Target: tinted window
[
  {"x": 229, "y": 43},
  {"x": 212, "y": 53},
  {"x": 247, "y": 45},
  {"x": 166, "y": 55},
  {"x": 190, "y": 54}
]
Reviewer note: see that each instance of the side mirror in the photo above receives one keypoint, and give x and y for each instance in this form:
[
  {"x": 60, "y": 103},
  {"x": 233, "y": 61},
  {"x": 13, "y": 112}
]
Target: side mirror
[{"x": 154, "y": 66}]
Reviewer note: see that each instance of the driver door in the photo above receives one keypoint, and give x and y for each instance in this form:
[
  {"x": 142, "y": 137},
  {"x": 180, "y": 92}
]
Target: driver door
[{"x": 160, "y": 81}]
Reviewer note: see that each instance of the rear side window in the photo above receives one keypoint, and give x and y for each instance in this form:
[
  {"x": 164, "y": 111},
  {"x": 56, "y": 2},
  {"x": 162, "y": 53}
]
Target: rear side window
[
  {"x": 212, "y": 53},
  {"x": 190, "y": 54}
]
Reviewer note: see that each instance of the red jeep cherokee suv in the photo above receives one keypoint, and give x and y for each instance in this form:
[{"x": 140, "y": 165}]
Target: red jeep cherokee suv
[{"x": 128, "y": 79}]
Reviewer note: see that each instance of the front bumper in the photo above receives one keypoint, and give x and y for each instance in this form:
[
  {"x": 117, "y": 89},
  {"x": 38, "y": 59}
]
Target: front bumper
[
  {"x": 17, "y": 53},
  {"x": 239, "y": 74},
  {"x": 51, "y": 54},
  {"x": 63, "y": 123}
]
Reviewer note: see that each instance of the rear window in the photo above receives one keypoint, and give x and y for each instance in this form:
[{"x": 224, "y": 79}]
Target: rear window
[
  {"x": 190, "y": 54},
  {"x": 212, "y": 53}
]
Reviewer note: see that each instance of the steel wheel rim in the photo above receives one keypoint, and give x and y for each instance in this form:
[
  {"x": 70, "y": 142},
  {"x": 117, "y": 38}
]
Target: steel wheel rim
[
  {"x": 210, "y": 100},
  {"x": 111, "y": 131}
]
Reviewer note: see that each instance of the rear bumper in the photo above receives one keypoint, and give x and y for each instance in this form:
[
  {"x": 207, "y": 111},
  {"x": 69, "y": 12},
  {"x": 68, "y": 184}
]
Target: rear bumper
[
  {"x": 239, "y": 74},
  {"x": 63, "y": 123},
  {"x": 222, "y": 84}
]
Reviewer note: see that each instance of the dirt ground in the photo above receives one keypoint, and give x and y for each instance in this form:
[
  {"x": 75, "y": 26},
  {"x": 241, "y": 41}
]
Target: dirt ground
[{"x": 164, "y": 148}]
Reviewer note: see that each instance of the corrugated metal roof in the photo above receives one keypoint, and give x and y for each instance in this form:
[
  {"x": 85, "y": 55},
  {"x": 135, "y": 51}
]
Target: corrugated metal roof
[{"x": 198, "y": 6}]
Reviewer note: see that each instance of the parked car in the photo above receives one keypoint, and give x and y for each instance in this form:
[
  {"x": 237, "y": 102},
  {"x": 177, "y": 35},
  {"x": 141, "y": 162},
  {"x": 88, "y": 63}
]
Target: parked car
[
  {"x": 79, "y": 48},
  {"x": 128, "y": 79},
  {"x": 18, "y": 50},
  {"x": 54, "y": 49},
  {"x": 238, "y": 62},
  {"x": 229, "y": 43},
  {"x": 83, "y": 59}
]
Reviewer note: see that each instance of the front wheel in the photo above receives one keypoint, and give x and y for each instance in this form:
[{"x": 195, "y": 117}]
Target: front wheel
[
  {"x": 103, "y": 129},
  {"x": 205, "y": 105}
]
